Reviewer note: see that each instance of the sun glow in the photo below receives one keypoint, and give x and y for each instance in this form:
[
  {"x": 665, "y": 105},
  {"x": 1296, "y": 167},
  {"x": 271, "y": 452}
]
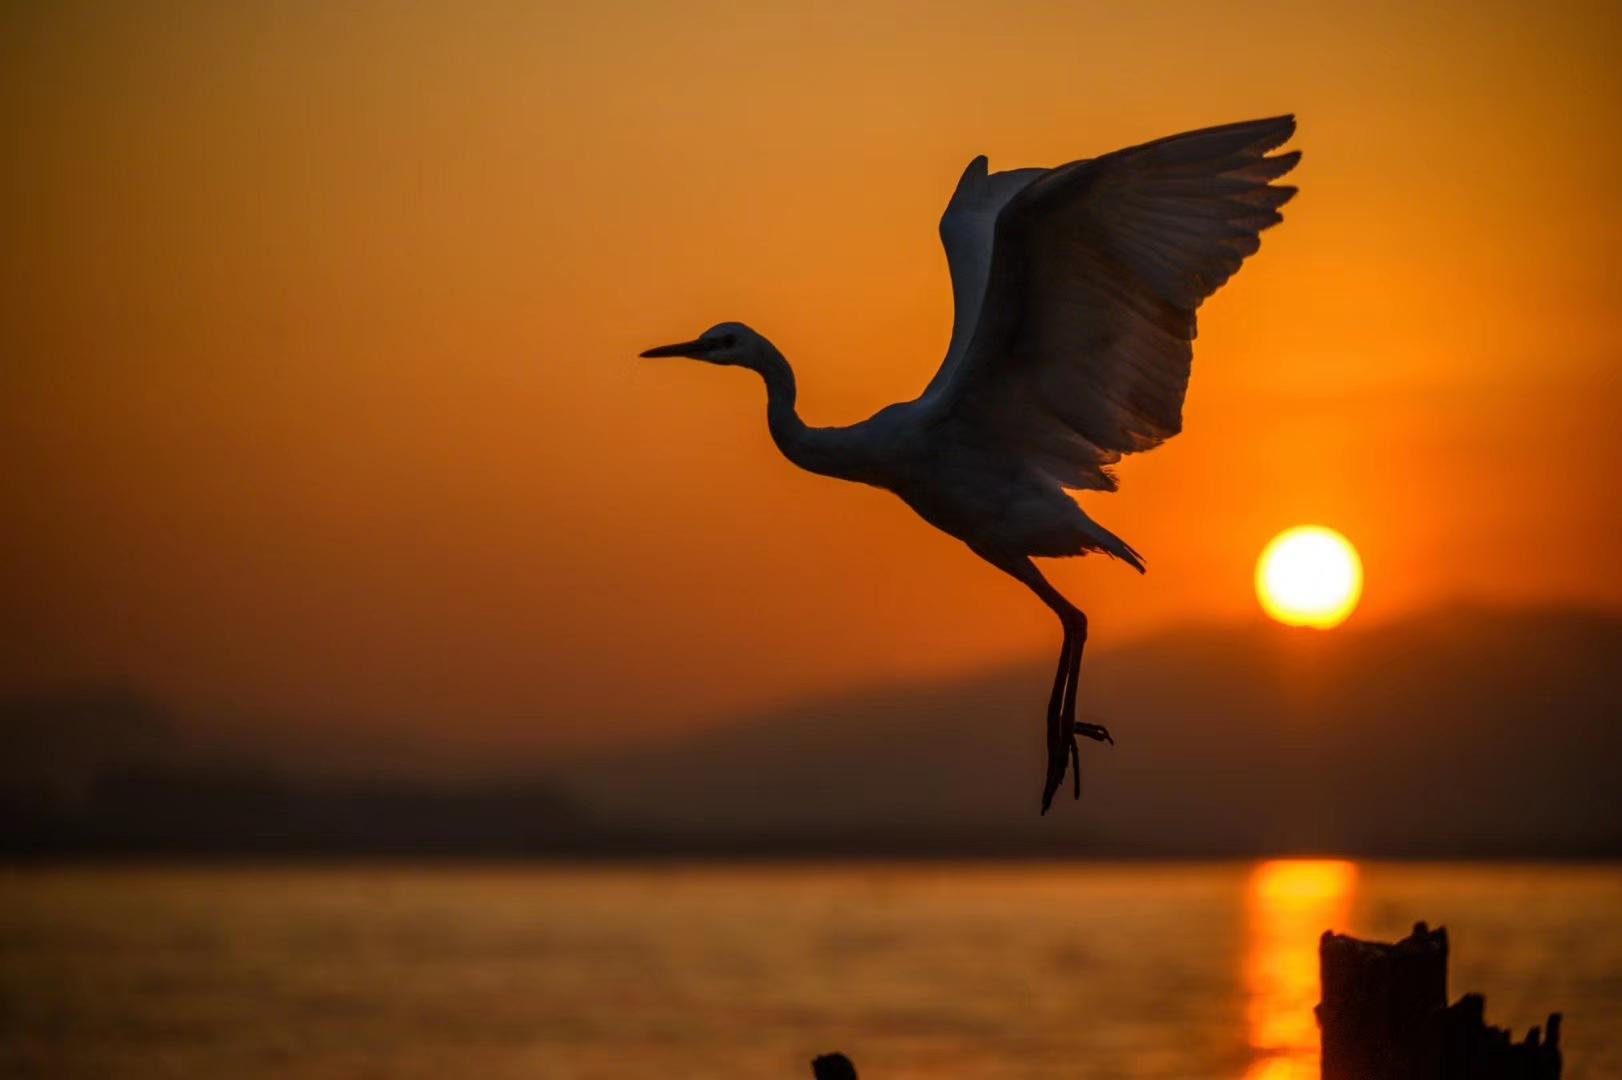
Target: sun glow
[{"x": 1309, "y": 576}]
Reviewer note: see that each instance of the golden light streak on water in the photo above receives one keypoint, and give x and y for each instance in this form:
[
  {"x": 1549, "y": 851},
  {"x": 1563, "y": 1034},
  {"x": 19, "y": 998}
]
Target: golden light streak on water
[{"x": 1288, "y": 904}]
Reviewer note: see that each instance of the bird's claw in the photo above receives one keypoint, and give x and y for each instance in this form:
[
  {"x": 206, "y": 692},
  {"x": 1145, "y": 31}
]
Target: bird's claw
[
  {"x": 1068, "y": 747},
  {"x": 1095, "y": 732}
]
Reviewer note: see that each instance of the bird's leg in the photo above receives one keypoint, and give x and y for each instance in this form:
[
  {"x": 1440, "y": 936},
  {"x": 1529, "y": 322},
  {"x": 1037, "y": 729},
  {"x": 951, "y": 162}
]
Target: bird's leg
[
  {"x": 1078, "y": 634},
  {"x": 1095, "y": 732},
  {"x": 1059, "y": 738},
  {"x": 1076, "y": 631},
  {"x": 1062, "y": 727}
]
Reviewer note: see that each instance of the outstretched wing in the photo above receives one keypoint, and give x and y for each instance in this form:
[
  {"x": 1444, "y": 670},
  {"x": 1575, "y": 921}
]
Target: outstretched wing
[
  {"x": 1084, "y": 301},
  {"x": 967, "y": 230}
]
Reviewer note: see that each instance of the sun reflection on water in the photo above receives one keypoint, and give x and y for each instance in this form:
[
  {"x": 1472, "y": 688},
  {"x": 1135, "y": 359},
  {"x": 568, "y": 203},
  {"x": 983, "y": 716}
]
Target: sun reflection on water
[{"x": 1288, "y": 904}]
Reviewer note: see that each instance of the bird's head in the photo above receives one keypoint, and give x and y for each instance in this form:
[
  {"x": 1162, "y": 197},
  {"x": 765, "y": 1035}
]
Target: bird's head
[{"x": 727, "y": 343}]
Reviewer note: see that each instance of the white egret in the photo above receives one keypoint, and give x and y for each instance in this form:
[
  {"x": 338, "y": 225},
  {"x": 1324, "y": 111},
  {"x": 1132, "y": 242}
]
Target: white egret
[{"x": 1075, "y": 295}]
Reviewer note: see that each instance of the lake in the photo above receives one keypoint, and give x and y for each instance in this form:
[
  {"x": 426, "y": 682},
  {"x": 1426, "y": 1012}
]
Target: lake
[{"x": 1076, "y": 970}]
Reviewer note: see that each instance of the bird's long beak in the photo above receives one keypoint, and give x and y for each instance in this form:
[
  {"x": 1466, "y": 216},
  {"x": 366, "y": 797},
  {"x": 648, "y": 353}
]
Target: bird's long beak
[{"x": 694, "y": 349}]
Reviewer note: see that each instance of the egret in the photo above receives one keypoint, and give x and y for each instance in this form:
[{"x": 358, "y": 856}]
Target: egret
[{"x": 1075, "y": 290}]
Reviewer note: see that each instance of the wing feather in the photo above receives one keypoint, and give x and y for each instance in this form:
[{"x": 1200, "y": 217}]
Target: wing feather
[
  {"x": 1074, "y": 341},
  {"x": 968, "y": 228}
]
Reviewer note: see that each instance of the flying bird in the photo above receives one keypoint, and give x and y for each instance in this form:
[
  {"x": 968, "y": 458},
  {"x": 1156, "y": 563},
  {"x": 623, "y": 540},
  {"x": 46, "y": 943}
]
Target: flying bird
[{"x": 1075, "y": 291}]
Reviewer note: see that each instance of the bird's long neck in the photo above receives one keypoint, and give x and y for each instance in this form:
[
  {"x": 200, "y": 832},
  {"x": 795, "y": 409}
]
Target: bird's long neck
[{"x": 807, "y": 447}]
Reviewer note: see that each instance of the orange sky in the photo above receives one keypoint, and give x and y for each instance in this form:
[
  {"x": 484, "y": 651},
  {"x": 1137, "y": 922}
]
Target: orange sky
[{"x": 318, "y": 395}]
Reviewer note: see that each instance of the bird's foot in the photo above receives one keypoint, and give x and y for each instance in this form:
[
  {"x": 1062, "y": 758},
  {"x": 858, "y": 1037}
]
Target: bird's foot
[
  {"x": 1095, "y": 732},
  {"x": 1064, "y": 753}
]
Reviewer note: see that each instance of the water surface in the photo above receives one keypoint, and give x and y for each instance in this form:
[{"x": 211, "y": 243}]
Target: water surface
[{"x": 739, "y": 970}]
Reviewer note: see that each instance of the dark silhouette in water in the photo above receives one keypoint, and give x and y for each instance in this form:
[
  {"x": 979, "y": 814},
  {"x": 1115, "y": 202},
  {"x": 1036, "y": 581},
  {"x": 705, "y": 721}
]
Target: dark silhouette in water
[
  {"x": 1385, "y": 1016},
  {"x": 1075, "y": 294},
  {"x": 833, "y": 1067}
]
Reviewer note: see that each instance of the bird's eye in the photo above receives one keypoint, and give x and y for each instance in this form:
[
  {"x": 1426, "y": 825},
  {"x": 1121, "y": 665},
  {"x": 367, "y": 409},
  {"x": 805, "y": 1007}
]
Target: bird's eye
[{"x": 728, "y": 340}]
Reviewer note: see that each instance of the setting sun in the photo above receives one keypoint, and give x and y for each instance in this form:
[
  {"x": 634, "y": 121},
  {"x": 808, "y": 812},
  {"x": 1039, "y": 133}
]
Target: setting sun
[{"x": 1309, "y": 576}]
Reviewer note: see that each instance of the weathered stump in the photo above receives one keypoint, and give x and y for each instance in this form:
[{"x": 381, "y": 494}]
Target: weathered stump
[{"x": 1385, "y": 1016}]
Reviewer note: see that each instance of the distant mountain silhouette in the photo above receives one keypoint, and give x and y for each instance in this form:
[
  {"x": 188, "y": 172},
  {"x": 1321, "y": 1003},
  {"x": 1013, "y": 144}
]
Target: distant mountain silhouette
[
  {"x": 53, "y": 744},
  {"x": 90, "y": 771},
  {"x": 1460, "y": 732}
]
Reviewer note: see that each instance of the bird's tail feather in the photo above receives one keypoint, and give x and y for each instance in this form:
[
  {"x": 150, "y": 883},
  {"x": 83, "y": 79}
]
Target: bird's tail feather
[
  {"x": 1101, "y": 539},
  {"x": 1126, "y": 553}
]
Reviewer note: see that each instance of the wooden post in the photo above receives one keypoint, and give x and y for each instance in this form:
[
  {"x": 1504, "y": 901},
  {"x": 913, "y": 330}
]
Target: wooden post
[{"x": 1384, "y": 1016}]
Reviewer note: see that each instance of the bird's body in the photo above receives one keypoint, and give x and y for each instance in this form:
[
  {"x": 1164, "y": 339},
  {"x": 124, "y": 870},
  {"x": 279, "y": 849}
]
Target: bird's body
[
  {"x": 1075, "y": 294},
  {"x": 989, "y": 499}
]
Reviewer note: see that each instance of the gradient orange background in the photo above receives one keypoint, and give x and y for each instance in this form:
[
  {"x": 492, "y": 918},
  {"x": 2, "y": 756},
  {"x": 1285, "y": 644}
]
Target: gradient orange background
[{"x": 318, "y": 397}]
